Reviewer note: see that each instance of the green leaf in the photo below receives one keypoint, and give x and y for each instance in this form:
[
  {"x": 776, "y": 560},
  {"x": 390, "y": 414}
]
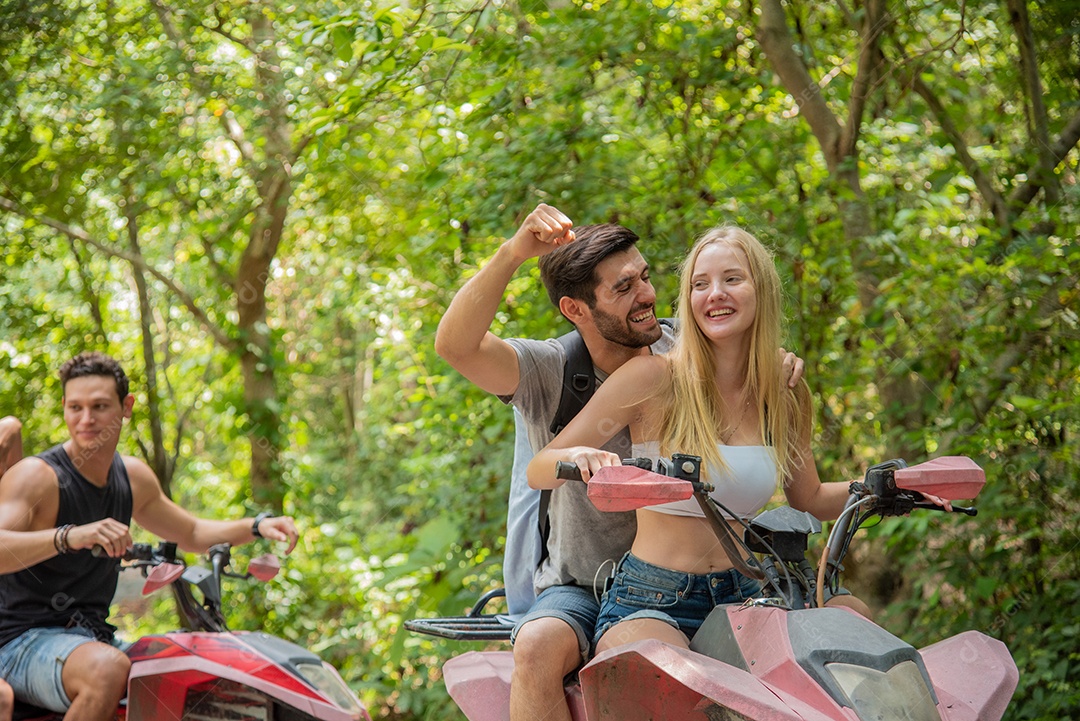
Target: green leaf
[
  {"x": 343, "y": 49},
  {"x": 444, "y": 43},
  {"x": 985, "y": 587},
  {"x": 1025, "y": 403},
  {"x": 435, "y": 537}
]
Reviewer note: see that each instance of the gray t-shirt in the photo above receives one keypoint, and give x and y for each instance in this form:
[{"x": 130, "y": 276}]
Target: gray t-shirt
[{"x": 584, "y": 543}]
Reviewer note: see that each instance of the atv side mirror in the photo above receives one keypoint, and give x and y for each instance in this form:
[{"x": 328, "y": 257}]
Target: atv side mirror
[
  {"x": 162, "y": 575},
  {"x": 625, "y": 488},
  {"x": 264, "y": 567}
]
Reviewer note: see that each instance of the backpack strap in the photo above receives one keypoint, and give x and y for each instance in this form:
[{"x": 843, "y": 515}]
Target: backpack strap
[
  {"x": 579, "y": 380},
  {"x": 578, "y": 386}
]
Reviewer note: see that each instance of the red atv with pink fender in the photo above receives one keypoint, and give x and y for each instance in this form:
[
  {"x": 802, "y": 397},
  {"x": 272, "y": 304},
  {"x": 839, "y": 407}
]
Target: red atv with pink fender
[
  {"x": 783, "y": 656},
  {"x": 209, "y": 672}
]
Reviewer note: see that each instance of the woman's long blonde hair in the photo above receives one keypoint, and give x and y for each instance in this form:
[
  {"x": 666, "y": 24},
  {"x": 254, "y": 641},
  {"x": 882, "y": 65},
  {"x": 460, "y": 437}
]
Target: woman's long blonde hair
[{"x": 696, "y": 415}]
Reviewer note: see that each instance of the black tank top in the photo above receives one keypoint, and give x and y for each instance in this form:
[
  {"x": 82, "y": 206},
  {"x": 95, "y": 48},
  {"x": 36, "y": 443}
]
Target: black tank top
[{"x": 75, "y": 589}]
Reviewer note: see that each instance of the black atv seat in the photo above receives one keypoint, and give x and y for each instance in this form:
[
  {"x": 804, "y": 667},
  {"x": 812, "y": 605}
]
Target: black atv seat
[
  {"x": 473, "y": 626},
  {"x": 26, "y": 712}
]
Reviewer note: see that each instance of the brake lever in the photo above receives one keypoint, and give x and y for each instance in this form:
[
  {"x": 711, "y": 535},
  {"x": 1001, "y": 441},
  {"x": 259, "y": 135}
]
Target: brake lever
[{"x": 966, "y": 510}]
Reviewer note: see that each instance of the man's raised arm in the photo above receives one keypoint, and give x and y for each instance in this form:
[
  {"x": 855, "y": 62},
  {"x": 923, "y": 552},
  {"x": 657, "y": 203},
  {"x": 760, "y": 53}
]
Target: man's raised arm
[
  {"x": 10, "y": 442},
  {"x": 463, "y": 338}
]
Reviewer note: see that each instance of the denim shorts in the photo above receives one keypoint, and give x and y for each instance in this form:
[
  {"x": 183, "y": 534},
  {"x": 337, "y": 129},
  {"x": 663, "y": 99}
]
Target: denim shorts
[
  {"x": 575, "y": 605},
  {"x": 683, "y": 600},
  {"x": 33, "y": 663}
]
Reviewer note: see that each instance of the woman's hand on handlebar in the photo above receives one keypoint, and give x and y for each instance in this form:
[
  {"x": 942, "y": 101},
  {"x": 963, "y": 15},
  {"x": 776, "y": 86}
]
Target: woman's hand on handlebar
[
  {"x": 589, "y": 460},
  {"x": 542, "y": 473}
]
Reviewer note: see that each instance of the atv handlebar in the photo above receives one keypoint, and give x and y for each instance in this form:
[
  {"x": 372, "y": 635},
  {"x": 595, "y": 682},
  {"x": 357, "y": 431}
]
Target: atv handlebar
[
  {"x": 888, "y": 489},
  {"x": 142, "y": 553},
  {"x": 566, "y": 471},
  {"x": 893, "y": 489}
]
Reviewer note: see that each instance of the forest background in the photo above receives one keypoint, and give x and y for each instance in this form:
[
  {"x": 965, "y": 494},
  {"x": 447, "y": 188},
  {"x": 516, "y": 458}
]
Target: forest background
[{"x": 262, "y": 208}]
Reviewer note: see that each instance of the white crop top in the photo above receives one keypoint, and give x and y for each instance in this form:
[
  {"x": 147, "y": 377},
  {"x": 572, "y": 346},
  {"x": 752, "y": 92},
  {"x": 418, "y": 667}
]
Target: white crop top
[{"x": 745, "y": 487}]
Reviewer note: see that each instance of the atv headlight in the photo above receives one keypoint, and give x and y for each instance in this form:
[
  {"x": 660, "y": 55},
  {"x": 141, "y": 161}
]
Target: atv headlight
[
  {"x": 326, "y": 679},
  {"x": 899, "y": 694}
]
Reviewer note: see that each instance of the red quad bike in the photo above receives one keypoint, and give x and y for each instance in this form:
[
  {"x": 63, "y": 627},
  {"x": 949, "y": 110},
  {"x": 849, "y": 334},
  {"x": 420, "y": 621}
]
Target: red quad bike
[
  {"x": 784, "y": 656},
  {"x": 210, "y": 672}
]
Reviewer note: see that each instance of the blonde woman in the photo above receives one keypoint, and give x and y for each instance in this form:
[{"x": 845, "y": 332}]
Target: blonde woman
[{"x": 718, "y": 394}]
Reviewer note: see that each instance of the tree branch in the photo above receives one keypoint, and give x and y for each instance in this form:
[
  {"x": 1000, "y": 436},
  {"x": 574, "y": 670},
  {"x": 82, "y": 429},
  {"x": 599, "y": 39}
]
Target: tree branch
[
  {"x": 78, "y": 234},
  {"x": 229, "y": 124},
  {"x": 1029, "y": 66},
  {"x": 910, "y": 76},
  {"x": 235, "y": 133},
  {"x": 89, "y": 294},
  {"x": 1059, "y": 149},
  {"x": 993, "y": 199},
  {"x": 1001, "y": 375},
  {"x": 776, "y": 42},
  {"x": 220, "y": 30},
  {"x": 157, "y": 457},
  {"x": 869, "y": 58}
]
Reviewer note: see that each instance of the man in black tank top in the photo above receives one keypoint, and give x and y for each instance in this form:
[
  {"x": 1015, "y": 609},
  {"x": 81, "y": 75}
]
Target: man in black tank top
[{"x": 55, "y": 508}]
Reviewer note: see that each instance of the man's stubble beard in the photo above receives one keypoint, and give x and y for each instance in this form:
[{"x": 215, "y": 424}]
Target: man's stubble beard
[{"x": 618, "y": 331}]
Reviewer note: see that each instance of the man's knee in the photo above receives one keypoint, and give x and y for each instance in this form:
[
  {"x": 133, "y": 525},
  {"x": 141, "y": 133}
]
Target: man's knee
[
  {"x": 7, "y": 699},
  {"x": 853, "y": 602},
  {"x": 546, "y": 642},
  {"x": 96, "y": 668}
]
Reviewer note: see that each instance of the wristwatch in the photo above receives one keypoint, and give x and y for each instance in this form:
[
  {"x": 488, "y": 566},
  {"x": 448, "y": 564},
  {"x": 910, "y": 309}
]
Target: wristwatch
[{"x": 259, "y": 519}]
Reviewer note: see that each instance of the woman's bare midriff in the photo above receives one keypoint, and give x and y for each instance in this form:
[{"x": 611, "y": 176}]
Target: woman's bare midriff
[{"x": 680, "y": 543}]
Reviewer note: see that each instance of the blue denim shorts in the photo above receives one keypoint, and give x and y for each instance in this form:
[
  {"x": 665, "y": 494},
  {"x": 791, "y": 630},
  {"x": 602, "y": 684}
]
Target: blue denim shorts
[
  {"x": 33, "y": 663},
  {"x": 683, "y": 600},
  {"x": 575, "y": 605}
]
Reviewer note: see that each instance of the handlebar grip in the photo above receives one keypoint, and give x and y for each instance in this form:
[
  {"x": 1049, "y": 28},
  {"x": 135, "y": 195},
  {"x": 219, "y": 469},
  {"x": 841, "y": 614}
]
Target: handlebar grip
[
  {"x": 567, "y": 471},
  {"x": 138, "y": 551}
]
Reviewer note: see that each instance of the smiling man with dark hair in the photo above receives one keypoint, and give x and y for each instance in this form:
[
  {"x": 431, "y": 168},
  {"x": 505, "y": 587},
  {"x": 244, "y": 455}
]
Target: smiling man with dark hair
[{"x": 600, "y": 282}]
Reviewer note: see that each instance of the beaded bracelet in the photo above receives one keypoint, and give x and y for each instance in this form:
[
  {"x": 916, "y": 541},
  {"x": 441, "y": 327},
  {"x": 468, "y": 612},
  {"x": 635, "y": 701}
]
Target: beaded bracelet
[{"x": 60, "y": 538}]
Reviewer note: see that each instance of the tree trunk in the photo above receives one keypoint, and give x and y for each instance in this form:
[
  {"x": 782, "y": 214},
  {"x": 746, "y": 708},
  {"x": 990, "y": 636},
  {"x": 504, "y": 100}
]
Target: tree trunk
[
  {"x": 256, "y": 357},
  {"x": 156, "y": 456},
  {"x": 274, "y": 185},
  {"x": 839, "y": 144},
  {"x": 1039, "y": 125}
]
